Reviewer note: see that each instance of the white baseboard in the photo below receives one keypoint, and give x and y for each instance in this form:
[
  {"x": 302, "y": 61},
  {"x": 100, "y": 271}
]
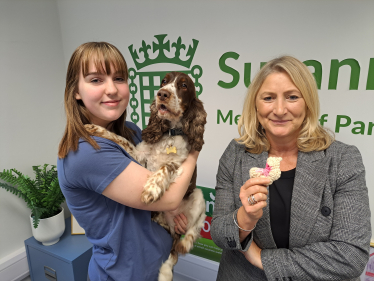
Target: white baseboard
[
  {"x": 14, "y": 267},
  {"x": 194, "y": 268}
]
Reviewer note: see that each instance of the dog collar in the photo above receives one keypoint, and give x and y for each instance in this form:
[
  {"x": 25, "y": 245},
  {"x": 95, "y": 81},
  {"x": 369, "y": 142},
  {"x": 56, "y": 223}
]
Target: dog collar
[{"x": 176, "y": 132}]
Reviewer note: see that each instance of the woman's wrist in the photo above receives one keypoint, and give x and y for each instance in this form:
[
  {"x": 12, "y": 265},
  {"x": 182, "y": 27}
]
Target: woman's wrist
[
  {"x": 245, "y": 230},
  {"x": 243, "y": 220}
]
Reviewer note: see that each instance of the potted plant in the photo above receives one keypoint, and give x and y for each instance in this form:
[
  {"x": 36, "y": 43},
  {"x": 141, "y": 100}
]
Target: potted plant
[{"x": 43, "y": 196}]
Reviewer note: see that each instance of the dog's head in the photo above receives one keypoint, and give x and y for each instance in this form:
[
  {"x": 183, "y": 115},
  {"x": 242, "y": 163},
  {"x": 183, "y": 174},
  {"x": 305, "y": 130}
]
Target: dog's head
[
  {"x": 175, "y": 96},
  {"x": 176, "y": 105}
]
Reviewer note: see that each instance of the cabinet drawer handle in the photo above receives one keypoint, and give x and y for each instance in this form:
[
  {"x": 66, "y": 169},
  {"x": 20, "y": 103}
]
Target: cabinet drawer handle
[{"x": 50, "y": 273}]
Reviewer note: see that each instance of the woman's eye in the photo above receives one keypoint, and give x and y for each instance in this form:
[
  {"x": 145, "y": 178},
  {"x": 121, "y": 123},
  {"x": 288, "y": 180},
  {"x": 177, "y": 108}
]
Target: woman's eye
[
  {"x": 293, "y": 97},
  {"x": 267, "y": 98},
  {"x": 119, "y": 79},
  {"x": 95, "y": 80}
]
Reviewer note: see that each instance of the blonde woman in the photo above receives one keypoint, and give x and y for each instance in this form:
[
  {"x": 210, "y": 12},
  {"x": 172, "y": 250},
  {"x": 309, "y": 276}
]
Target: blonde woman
[{"x": 313, "y": 223}]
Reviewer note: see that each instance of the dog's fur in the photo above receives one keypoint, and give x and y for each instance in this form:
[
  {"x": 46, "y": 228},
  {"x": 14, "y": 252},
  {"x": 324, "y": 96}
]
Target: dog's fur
[{"x": 177, "y": 107}]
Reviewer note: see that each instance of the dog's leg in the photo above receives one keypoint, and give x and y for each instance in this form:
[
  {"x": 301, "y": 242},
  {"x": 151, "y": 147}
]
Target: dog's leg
[
  {"x": 98, "y": 131},
  {"x": 160, "y": 181},
  {"x": 166, "y": 269},
  {"x": 196, "y": 222}
]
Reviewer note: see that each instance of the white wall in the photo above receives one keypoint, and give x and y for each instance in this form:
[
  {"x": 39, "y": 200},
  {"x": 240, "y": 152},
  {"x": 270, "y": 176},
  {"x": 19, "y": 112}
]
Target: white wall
[
  {"x": 38, "y": 37},
  {"x": 32, "y": 72}
]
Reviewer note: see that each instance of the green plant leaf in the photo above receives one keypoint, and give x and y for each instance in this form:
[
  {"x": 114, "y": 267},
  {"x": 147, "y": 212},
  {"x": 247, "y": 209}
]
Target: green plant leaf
[{"x": 43, "y": 195}]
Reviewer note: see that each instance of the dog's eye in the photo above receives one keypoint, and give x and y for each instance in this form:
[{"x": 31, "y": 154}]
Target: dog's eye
[
  {"x": 184, "y": 86},
  {"x": 163, "y": 82}
]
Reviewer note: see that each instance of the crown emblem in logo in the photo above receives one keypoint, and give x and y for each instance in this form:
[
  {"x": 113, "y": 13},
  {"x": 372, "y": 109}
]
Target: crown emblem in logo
[
  {"x": 144, "y": 84},
  {"x": 161, "y": 47}
]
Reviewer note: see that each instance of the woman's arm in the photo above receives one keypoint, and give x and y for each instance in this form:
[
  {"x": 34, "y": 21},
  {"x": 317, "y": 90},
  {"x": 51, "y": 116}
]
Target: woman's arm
[
  {"x": 127, "y": 187},
  {"x": 224, "y": 230},
  {"x": 225, "y": 233}
]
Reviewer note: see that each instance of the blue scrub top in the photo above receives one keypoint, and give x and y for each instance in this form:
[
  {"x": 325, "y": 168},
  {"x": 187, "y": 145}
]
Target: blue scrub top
[{"x": 127, "y": 245}]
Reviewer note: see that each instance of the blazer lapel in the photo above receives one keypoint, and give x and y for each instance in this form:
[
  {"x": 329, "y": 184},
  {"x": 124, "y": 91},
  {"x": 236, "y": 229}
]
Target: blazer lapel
[
  {"x": 310, "y": 178},
  {"x": 262, "y": 233}
]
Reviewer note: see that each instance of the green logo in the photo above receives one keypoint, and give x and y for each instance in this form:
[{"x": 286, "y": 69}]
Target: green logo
[{"x": 149, "y": 81}]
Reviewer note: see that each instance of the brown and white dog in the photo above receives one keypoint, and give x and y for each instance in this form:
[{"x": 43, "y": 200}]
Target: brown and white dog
[{"x": 176, "y": 126}]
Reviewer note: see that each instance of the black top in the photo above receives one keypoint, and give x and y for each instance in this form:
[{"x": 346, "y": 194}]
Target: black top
[{"x": 280, "y": 194}]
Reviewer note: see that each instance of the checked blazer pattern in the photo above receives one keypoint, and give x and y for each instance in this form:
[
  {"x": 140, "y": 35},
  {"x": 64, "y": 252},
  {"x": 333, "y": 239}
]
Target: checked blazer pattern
[{"x": 330, "y": 218}]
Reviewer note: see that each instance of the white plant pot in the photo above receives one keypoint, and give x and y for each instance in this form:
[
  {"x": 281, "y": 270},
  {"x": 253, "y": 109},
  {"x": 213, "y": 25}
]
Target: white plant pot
[{"x": 50, "y": 229}]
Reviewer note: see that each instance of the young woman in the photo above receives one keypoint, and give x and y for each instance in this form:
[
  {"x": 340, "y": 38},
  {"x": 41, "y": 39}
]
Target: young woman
[{"x": 102, "y": 184}]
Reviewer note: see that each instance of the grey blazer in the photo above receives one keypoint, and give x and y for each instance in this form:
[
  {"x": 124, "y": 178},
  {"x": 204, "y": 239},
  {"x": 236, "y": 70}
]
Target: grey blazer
[{"x": 330, "y": 218}]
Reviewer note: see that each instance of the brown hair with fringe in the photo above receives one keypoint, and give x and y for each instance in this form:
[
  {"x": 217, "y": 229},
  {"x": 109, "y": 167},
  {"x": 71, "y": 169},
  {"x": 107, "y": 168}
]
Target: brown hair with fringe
[
  {"x": 312, "y": 136},
  {"x": 103, "y": 55}
]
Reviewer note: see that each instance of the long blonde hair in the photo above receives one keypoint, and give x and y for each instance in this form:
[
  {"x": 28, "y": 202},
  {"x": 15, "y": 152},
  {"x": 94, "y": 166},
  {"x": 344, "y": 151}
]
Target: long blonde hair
[
  {"x": 102, "y": 55},
  {"x": 312, "y": 136}
]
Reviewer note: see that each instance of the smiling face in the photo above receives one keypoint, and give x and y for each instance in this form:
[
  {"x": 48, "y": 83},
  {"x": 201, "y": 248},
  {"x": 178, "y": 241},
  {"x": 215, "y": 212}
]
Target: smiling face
[
  {"x": 104, "y": 95},
  {"x": 280, "y": 107}
]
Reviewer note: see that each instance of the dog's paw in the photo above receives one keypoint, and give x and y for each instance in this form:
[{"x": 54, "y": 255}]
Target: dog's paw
[
  {"x": 166, "y": 270},
  {"x": 151, "y": 194},
  {"x": 155, "y": 187},
  {"x": 90, "y": 128},
  {"x": 147, "y": 198},
  {"x": 96, "y": 130},
  {"x": 185, "y": 245}
]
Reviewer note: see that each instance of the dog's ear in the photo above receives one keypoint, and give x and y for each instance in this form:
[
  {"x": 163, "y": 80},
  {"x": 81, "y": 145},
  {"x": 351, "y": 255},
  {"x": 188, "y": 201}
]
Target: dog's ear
[
  {"x": 193, "y": 123},
  {"x": 156, "y": 126}
]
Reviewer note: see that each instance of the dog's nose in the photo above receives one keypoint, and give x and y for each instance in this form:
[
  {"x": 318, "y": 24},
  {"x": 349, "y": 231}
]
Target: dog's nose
[{"x": 163, "y": 95}]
